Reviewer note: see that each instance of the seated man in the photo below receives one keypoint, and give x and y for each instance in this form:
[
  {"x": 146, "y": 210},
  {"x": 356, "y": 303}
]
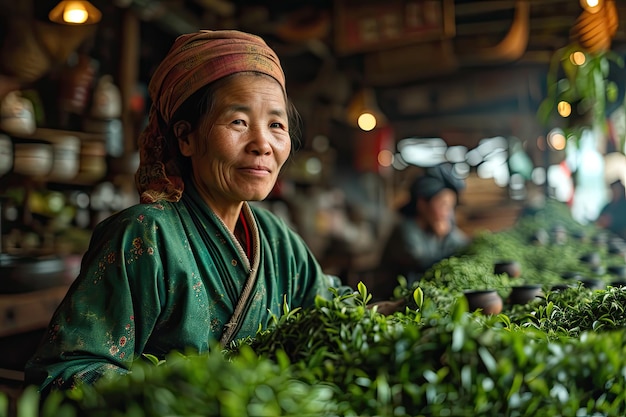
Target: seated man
[
  {"x": 425, "y": 232},
  {"x": 613, "y": 215}
]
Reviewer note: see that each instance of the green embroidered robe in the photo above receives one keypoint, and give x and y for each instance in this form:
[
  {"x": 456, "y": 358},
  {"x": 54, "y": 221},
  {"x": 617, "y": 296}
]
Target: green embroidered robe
[{"x": 167, "y": 276}]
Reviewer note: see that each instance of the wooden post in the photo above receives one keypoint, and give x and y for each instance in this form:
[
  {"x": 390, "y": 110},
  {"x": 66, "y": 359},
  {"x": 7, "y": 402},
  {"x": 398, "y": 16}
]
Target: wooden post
[{"x": 129, "y": 69}]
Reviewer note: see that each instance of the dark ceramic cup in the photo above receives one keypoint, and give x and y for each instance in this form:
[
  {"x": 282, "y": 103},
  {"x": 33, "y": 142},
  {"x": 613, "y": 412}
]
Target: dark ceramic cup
[
  {"x": 510, "y": 267},
  {"x": 593, "y": 283},
  {"x": 591, "y": 258},
  {"x": 489, "y": 301},
  {"x": 522, "y": 294},
  {"x": 618, "y": 271}
]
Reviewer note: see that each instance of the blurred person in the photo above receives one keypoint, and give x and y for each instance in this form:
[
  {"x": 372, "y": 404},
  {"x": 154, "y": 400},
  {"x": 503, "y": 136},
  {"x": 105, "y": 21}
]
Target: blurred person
[
  {"x": 613, "y": 215},
  {"x": 425, "y": 231}
]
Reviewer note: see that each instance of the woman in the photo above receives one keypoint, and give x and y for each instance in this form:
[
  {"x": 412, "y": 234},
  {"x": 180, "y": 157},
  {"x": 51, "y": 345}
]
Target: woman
[{"x": 194, "y": 262}]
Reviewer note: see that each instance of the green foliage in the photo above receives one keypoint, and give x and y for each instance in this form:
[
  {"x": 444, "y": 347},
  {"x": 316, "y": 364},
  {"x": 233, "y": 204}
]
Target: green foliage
[
  {"x": 195, "y": 385},
  {"x": 574, "y": 311},
  {"x": 561, "y": 355},
  {"x": 587, "y": 86}
]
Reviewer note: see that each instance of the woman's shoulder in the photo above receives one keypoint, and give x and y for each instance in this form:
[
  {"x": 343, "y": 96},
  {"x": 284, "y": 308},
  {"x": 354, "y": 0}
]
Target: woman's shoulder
[{"x": 155, "y": 213}]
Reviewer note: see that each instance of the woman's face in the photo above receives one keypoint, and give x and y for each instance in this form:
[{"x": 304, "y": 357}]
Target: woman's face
[{"x": 241, "y": 144}]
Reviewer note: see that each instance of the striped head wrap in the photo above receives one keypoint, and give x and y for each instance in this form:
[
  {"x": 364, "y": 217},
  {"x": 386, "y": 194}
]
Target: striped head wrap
[{"x": 194, "y": 61}]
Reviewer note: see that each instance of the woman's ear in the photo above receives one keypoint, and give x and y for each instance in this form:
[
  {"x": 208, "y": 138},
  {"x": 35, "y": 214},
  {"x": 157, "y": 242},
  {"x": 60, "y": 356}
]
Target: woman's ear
[{"x": 182, "y": 129}]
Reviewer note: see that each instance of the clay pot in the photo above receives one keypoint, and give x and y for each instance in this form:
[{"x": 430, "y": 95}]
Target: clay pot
[
  {"x": 523, "y": 294},
  {"x": 560, "y": 287},
  {"x": 571, "y": 275},
  {"x": 23, "y": 274},
  {"x": 32, "y": 158},
  {"x": 593, "y": 283},
  {"x": 598, "y": 270},
  {"x": 512, "y": 268},
  {"x": 559, "y": 235},
  {"x": 579, "y": 236},
  {"x": 540, "y": 237},
  {"x": 107, "y": 100},
  {"x": 66, "y": 158},
  {"x": 600, "y": 240},
  {"x": 591, "y": 258},
  {"x": 488, "y": 301},
  {"x": 6, "y": 154},
  {"x": 618, "y": 271},
  {"x": 17, "y": 115}
]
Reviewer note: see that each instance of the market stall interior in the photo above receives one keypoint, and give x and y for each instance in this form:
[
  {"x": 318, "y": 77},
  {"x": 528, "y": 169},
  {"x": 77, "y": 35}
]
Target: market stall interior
[{"x": 473, "y": 83}]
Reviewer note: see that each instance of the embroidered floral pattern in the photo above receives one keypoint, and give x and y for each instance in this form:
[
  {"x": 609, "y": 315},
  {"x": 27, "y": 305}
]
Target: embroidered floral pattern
[{"x": 116, "y": 347}]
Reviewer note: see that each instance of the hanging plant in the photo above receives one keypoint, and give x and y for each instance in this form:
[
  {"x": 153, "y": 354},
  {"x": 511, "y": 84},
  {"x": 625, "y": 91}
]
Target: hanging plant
[{"x": 579, "y": 88}]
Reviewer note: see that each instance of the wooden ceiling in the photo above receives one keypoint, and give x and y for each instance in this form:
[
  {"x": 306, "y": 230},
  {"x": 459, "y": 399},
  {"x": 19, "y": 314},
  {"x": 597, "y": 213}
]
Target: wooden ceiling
[
  {"x": 480, "y": 33},
  {"x": 481, "y": 69},
  {"x": 489, "y": 61}
]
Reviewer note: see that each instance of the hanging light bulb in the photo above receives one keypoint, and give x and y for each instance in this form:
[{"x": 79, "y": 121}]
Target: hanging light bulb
[
  {"x": 592, "y": 6},
  {"x": 363, "y": 111},
  {"x": 367, "y": 121},
  {"x": 75, "y": 12}
]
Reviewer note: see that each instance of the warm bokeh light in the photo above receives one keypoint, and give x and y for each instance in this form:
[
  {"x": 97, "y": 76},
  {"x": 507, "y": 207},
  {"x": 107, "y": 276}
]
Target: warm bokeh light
[
  {"x": 75, "y": 12},
  {"x": 577, "y": 58},
  {"x": 564, "y": 108},
  {"x": 541, "y": 143},
  {"x": 557, "y": 140},
  {"x": 592, "y": 6},
  {"x": 367, "y": 121},
  {"x": 385, "y": 158},
  {"x": 313, "y": 166}
]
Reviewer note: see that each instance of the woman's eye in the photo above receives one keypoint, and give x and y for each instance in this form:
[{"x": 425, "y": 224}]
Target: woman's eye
[
  {"x": 277, "y": 125},
  {"x": 239, "y": 122}
]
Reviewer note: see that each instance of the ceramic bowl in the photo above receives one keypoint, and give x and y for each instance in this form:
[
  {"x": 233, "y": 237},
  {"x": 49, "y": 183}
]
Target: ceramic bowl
[
  {"x": 561, "y": 287},
  {"x": 510, "y": 267},
  {"x": 33, "y": 158},
  {"x": 488, "y": 301},
  {"x": 66, "y": 158},
  {"x": 571, "y": 275},
  {"x": 592, "y": 283},
  {"x": 24, "y": 274},
  {"x": 579, "y": 235},
  {"x": 618, "y": 271},
  {"x": 522, "y": 294},
  {"x": 540, "y": 237},
  {"x": 591, "y": 258},
  {"x": 6, "y": 154},
  {"x": 559, "y": 235},
  {"x": 600, "y": 239}
]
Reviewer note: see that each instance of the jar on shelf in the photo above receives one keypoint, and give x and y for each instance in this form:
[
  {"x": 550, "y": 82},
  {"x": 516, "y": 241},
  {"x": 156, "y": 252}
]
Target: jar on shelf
[
  {"x": 66, "y": 158},
  {"x": 93, "y": 166},
  {"x": 6, "y": 154},
  {"x": 17, "y": 116},
  {"x": 32, "y": 157},
  {"x": 107, "y": 99}
]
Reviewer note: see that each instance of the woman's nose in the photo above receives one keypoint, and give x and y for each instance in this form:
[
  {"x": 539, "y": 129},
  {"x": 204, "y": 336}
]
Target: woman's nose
[{"x": 259, "y": 140}]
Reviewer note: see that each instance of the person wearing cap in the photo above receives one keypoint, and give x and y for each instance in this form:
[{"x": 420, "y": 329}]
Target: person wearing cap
[
  {"x": 194, "y": 262},
  {"x": 425, "y": 231}
]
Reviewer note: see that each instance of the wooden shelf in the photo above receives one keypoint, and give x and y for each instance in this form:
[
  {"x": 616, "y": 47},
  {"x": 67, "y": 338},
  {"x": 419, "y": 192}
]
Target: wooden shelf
[
  {"x": 24, "y": 312},
  {"x": 53, "y": 135}
]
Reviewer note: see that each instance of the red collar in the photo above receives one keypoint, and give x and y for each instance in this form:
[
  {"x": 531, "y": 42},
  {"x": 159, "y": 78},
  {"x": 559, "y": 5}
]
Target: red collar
[{"x": 246, "y": 231}]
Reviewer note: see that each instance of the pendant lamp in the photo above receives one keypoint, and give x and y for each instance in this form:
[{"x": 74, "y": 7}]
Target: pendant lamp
[
  {"x": 363, "y": 111},
  {"x": 75, "y": 12}
]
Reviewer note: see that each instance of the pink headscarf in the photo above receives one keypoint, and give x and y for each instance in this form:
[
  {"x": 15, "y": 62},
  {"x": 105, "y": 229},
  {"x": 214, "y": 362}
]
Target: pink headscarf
[{"x": 194, "y": 60}]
